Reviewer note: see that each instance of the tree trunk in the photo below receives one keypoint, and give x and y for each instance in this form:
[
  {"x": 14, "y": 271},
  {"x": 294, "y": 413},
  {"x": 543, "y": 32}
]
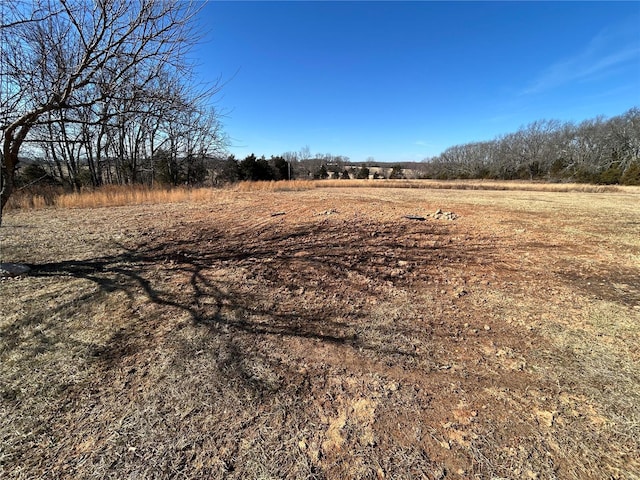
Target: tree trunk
[
  {"x": 13, "y": 138},
  {"x": 8, "y": 181}
]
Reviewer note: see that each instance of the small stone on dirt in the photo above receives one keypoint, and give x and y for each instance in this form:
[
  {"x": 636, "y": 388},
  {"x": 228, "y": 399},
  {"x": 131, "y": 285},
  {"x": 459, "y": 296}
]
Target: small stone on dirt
[
  {"x": 392, "y": 387},
  {"x": 331, "y": 211}
]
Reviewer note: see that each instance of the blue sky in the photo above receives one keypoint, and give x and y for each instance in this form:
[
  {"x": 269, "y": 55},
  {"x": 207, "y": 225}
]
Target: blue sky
[{"x": 402, "y": 81}]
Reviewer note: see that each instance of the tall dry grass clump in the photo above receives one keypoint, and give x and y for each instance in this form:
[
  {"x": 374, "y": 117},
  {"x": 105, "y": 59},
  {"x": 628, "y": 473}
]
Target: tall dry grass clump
[
  {"x": 114, "y": 196},
  {"x": 109, "y": 196},
  {"x": 33, "y": 198},
  {"x": 21, "y": 201},
  {"x": 278, "y": 186}
]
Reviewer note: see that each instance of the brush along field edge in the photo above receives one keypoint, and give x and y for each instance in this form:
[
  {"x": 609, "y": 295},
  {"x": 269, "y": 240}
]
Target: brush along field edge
[{"x": 114, "y": 195}]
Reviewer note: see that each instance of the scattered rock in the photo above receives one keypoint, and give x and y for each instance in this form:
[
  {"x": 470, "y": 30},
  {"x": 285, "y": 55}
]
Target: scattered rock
[
  {"x": 331, "y": 211},
  {"x": 546, "y": 418},
  {"x": 439, "y": 473},
  {"x": 391, "y": 387},
  {"x": 13, "y": 269},
  {"x": 487, "y": 328},
  {"x": 277, "y": 214},
  {"x": 460, "y": 292},
  {"x": 440, "y": 215}
]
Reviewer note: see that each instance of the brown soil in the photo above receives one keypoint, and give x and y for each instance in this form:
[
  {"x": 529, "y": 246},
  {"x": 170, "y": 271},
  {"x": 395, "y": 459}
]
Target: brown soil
[{"x": 336, "y": 339}]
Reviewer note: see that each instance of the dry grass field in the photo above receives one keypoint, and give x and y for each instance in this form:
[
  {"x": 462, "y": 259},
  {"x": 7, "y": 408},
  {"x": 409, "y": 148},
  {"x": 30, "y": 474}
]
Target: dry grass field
[{"x": 319, "y": 333}]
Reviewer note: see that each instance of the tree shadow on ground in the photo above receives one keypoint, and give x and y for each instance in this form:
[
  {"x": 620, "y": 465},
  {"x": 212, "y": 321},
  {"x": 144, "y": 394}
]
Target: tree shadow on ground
[
  {"x": 319, "y": 281},
  {"x": 210, "y": 322}
]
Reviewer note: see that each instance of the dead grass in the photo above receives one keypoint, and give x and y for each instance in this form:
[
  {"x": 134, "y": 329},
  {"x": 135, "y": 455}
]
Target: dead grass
[
  {"x": 473, "y": 185},
  {"x": 301, "y": 185},
  {"x": 111, "y": 196},
  {"x": 280, "y": 186},
  {"x": 210, "y": 339},
  {"x": 115, "y": 195}
]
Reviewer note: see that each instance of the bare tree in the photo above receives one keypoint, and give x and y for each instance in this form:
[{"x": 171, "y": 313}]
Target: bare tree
[
  {"x": 624, "y": 138},
  {"x": 597, "y": 150},
  {"x": 68, "y": 54}
]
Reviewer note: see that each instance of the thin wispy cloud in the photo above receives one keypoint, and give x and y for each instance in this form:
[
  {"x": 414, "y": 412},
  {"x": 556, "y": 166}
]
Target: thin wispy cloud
[{"x": 608, "y": 53}]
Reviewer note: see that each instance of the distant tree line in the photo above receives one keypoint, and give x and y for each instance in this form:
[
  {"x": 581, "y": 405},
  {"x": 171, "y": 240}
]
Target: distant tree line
[
  {"x": 297, "y": 165},
  {"x": 604, "y": 151},
  {"x": 289, "y": 166}
]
